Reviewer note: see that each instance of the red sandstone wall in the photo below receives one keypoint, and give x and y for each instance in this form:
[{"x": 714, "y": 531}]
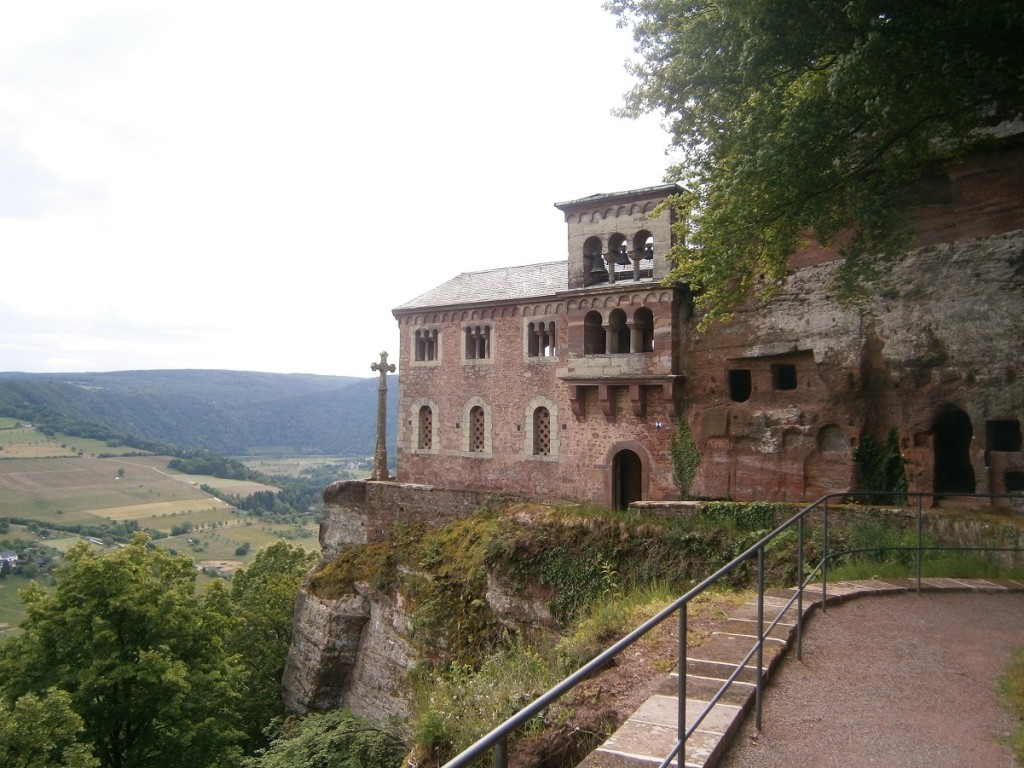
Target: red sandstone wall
[{"x": 578, "y": 469}]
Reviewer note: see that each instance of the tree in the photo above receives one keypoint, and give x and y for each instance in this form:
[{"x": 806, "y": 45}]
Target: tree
[
  {"x": 814, "y": 119},
  {"x": 42, "y": 732},
  {"x": 139, "y": 652},
  {"x": 262, "y": 601},
  {"x": 331, "y": 740}
]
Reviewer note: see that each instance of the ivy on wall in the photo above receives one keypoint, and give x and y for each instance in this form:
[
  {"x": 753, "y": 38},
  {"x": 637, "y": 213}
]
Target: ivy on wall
[
  {"x": 685, "y": 458},
  {"x": 882, "y": 468}
]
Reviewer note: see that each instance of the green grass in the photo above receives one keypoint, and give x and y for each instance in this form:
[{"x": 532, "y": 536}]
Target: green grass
[{"x": 951, "y": 565}]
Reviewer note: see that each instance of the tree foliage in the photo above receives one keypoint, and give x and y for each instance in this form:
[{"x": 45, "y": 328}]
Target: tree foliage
[
  {"x": 42, "y": 732},
  {"x": 262, "y": 598},
  {"x": 331, "y": 740},
  {"x": 139, "y": 653},
  {"x": 813, "y": 118}
]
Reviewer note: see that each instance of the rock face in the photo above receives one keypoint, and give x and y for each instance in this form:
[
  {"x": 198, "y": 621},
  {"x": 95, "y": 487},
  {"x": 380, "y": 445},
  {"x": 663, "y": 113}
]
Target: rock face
[
  {"x": 377, "y": 685},
  {"x": 325, "y": 648},
  {"x": 787, "y": 390}
]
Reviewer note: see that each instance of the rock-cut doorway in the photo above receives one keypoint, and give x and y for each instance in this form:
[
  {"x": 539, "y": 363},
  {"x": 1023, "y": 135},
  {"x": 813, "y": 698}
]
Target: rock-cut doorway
[
  {"x": 627, "y": 479},
  {"x": 952, "y": 433}
]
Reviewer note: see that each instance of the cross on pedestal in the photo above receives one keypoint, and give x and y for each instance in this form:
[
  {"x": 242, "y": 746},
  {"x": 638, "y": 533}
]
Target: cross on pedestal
[{"x": 380, "y": 454}]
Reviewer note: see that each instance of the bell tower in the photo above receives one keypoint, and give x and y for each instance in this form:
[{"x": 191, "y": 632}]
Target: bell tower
[{"x": 613, "y": 239}]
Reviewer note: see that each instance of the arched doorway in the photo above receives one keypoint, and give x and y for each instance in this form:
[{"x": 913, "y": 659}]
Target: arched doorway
[
  {"x": 953, "y": 432},
  {"x": 627, "y": 479}
]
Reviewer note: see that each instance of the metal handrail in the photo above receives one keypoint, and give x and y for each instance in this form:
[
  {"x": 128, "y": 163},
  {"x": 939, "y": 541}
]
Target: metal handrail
[{"x": 497, "y": 739}]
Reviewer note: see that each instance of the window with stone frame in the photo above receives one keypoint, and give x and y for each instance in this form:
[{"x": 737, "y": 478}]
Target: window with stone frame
[
  {"x": 477, "y": 341},
  {"x": 477, "y": 430},
  {"x": 541, "y": 432},
  {"x": 541, "y": 338},
  {"x": 426, "y": 345},
  {"x": 426, "y": 428}
]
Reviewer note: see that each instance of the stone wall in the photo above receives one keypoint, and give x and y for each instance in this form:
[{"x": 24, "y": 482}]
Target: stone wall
[{"x": 362, "y": 511}]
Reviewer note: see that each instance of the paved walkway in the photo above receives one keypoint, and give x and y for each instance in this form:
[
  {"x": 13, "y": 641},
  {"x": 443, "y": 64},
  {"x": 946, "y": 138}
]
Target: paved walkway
[{"x": 947, "y": 663}]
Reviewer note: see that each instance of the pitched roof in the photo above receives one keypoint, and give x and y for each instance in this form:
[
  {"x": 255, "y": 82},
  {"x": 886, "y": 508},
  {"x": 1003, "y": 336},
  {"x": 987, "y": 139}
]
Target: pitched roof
[{"x": 501, "y": 284}]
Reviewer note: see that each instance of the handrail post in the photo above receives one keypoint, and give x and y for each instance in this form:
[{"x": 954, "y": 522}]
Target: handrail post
[
  {"x": 800, "y": 589},
  {"x": 920, "y": 543},
  {"x": 760, "y": 635},
  {"x": 681, "y": 689},
  {"x": 501, "y": 753},
  {"x": 824, "y": 561}
]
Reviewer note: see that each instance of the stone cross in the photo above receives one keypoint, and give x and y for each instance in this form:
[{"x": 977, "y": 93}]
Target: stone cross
[{"x": 380, "y": 455}]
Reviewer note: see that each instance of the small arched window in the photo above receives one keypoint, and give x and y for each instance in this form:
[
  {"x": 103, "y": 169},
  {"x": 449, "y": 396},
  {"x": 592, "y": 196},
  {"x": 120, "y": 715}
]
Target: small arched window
[
  {"x": 541, "y": 432},
  {"x": 477, "y": 430},
  {"x": 426, "y": 428}
]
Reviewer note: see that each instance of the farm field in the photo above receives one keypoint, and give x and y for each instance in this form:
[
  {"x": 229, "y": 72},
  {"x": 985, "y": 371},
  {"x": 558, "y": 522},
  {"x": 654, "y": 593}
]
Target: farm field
[
  {"x": 26, "y": 442},
  {"x": 347, "y": 468},
  {"x": 82, "y": 489}
]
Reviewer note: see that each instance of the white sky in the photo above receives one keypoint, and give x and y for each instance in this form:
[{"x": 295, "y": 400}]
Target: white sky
[{"x": 255, "y": 185}]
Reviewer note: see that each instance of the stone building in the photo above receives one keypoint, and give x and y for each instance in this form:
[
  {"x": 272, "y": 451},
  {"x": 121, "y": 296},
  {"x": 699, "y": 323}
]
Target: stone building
[{"x": 567, "y": 379}]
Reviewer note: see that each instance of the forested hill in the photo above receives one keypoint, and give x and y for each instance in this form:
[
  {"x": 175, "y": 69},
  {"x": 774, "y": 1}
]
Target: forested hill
[{"x": 228, "y": 412}]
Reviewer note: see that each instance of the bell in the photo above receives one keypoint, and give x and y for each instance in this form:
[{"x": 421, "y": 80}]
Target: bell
[
  {"x": 598, "y": 269},
  {"x": 649, "y": 249},
  {"x": 623, "y": 260}
]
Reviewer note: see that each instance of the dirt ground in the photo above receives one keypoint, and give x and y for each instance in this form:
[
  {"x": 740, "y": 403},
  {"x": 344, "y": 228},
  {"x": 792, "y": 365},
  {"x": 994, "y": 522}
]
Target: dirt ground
[{"x": 892, "y": 681}]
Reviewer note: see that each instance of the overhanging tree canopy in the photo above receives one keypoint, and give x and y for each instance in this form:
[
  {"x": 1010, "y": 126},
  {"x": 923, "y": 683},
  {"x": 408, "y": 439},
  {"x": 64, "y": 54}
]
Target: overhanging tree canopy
[{"x": 800, "y": 118}]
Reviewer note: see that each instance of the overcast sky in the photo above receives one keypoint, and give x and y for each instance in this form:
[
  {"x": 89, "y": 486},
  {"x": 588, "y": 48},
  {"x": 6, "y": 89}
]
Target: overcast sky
[{"x": 254, "y": 186}]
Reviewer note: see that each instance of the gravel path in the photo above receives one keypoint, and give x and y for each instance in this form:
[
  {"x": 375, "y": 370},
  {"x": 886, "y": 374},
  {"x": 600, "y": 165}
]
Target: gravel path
[{"x": 892, "y": 681}]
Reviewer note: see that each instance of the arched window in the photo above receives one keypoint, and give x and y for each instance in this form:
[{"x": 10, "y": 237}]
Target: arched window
[
  {"x": 593, "y": 262},
  {"x": 477, "y": 430},
  {"x": 593, "y": 334},
  {"x": 644, "y": 320},
  {"x": 618, "y": 333},
  {"x": 541, "y": 432},
  {"x": 426, "y": 428}
]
